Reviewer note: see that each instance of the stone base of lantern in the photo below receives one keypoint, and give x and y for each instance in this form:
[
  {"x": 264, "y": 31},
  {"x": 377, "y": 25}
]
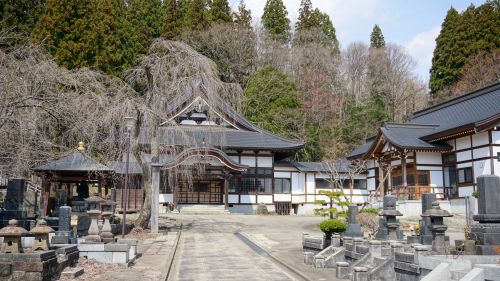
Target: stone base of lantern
[
  {"x": 92, "y": 239},
  {"x": 107, "y": 237}
]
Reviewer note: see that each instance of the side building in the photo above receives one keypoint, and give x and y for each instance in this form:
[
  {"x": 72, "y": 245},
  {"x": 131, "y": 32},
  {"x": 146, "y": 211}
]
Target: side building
[{"x": 441, "y": 149}]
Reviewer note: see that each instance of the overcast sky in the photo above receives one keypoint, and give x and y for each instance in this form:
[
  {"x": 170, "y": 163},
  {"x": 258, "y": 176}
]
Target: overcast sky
[{"x": 413, "y": 24}]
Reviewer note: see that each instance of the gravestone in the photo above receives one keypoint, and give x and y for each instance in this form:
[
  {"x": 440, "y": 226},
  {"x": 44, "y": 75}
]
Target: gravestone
[
  {"x": 64, "y": 234},
  {"x": 391, "y": 222},
  {"x": 487, "y": 231},
  {"x": 14, "y": 203},
  {"x": 382, "y": 229},
  {"x": 425, "y": 232},
  {"x": 353, "y": 228}
]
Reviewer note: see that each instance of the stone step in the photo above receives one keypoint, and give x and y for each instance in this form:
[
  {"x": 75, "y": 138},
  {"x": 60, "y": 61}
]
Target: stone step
[{"x": 203, "y": 210}]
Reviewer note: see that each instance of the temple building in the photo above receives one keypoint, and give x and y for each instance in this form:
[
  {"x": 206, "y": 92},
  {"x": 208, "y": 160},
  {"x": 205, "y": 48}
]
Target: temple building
[
  {"x": 441, "y": 149},
  {"x": 211, "y": 155}
]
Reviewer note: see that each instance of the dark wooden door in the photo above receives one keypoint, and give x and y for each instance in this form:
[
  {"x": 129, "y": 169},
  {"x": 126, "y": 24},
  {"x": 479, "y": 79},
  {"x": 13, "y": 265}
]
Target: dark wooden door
[{"x": 201, "y": 192}]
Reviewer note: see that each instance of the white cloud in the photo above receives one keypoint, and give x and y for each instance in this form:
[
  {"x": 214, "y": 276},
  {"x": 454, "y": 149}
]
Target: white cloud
[{"x": 421, "y": 48}]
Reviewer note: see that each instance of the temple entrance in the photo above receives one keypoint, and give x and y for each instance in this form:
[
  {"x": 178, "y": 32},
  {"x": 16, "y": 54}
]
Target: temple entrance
[{"x": 201, "y": 192}]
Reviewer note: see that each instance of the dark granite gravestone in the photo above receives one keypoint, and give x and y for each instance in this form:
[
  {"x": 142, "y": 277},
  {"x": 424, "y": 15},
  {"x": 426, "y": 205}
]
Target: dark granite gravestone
[
  {"x": 83, "y": 224},
  {"x": 14, "y": 204},
  {"x": 389, "y": 200},
  {"x": 425, "y": 232},
  {"x": 487, "y": 232},
  {"x": 353, "y": 228},
  {"x": 64, "y": 233}
]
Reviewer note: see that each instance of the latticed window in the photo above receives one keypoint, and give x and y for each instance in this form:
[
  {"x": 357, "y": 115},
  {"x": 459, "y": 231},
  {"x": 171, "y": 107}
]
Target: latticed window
[{"x": 282, "y": 186}]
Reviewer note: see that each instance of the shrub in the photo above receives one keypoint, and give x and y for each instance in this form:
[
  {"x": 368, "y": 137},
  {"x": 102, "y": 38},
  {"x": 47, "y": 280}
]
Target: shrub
[
  {"x": 374, "y": 211},
  {"x": 368, "y": 221},
  {"x": 332, "y": 226}
]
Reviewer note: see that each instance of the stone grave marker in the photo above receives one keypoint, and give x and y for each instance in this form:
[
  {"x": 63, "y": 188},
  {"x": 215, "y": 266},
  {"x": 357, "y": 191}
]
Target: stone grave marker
[{"x": 353, "y": 228}]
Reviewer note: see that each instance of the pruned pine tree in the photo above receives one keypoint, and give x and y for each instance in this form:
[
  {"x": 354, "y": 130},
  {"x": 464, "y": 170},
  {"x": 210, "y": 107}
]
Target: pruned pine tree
[{"x": 275, "y": 20}]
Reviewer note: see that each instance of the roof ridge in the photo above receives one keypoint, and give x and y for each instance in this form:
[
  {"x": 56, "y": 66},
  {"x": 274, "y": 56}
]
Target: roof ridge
[
  {"x": 473, "y": 94},
  {"x": 409, "y": 125}
]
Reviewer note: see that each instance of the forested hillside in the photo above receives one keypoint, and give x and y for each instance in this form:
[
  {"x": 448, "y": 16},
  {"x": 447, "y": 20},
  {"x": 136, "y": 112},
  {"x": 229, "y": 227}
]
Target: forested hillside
[{"x": 295, "y": 80}]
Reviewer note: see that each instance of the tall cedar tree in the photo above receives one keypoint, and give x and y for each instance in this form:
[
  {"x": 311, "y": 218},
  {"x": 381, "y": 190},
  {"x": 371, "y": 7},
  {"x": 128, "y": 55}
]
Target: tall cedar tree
[
  {"x": 305, "y": 19},
  {"x": 146, "y": 16},
  {"x": 310, "y": 19},
  {"x": 462, "y": 36},
  {"x": 20, "y": 16},
  {"x": 275, "y": 20},
  {"x": 220, "y": 12},
  {"x": 172, "y": 20},
  {"x": 377, "y": 38},
  {"x": 197, "y": 15},
  {"x": 244, "y": 16}
]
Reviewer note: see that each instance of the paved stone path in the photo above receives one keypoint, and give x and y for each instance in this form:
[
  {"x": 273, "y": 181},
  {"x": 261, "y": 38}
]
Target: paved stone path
[
  {"x": 209, "y": 250},
  {"x": 150, "y": 266}
]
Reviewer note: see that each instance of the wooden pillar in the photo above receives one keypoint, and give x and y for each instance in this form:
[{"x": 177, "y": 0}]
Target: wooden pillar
[
  {"x": 44, "y": 198},
  {"x": 226, "y": 192},
  {"x": 381, "y": 178},
  {"x": 155, "y": 194},
  {"x": 403, "y": 169}
]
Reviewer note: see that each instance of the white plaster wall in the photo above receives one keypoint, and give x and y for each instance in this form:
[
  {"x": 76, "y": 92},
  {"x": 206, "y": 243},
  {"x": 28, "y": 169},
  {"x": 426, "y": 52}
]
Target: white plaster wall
[
  {"x": 496, "y": 163},
  {"x": 481, "y": 152},
  {"x": 436, "y": 178},
  {"x": 266, "y": 199},
  {"x": 464, "y": 156},
  {"x": 282, "y": 197},
  {"x": 266, "y": 162},
  {"x": 310, "y": 187},
  {"x": 235, "y": 158},
  {"x": 481, "y": 167},
  {"x": 299, "y": 199},
  {"x": 429, "y": 168},
  {"x": 465, "y": 191},
  {"x": 464, "y": 165},
  {"x": 451, "y": 143},
  {"x": 371, "y": 173},
  {"x": 495, "y": 135},
  {"x": 429, "y": 158},
  {"x": 248, "y": 160},
  {"x": 301, "y": 185},
  {"x": 396, "y": 162},
  {"x": 232, "y": 198},
  {"x": 295, "y": 184},
  {"x": 248, "y": 199},
  {"x": 166, "y": 198},
  {"x": 463, "y": 143},
  {"x": 285, "y": 175},
  {"x": 480, "y": 139},
  {"x": 371, "y": 184}
]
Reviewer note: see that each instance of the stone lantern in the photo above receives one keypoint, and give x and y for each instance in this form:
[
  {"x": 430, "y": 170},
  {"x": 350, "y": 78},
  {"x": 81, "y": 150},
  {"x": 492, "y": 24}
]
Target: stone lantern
[
  {"x": 12, "y": 237},
  {"x": 41, "y": 232},
  {"x": 437, "y": 227},
  {"x": 94, "y": 211},
  {"x": 391, "y": 222},
  {"x": 107, "y": 211}
]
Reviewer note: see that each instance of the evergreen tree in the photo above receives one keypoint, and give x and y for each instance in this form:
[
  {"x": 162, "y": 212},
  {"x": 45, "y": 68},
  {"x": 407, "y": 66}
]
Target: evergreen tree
[
  {"x": 325, "y": 24},
  {"x": 272, "y": 101},
  {"x": 88, "y": 33},
  {"x": 146, "y": 16},
  {"x": 275, "y": 20},
  {"x": 20, "y": 15},
  {"x": 244, "y": 16},
  {"x": 172, "y": 20},
  {"x": 305, "y": 19},
  {"x": 462, "y": 36},
  {"x": 220, "y": 12},
  {"x": 197, "y": 17},
  {"x": 377, "y": 38},
  {"x": 441, "y": 70}
]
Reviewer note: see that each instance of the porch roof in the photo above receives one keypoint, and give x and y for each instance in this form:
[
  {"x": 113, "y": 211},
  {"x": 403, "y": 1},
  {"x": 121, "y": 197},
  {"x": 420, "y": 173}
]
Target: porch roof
[{"x": 76, "y": 161}]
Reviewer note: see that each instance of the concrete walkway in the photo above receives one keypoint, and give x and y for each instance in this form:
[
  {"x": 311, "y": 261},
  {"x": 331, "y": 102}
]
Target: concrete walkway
[{"x": 209, "y": 249}]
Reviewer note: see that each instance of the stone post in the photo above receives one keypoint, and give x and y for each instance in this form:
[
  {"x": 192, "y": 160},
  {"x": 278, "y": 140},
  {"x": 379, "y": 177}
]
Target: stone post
[
  {"x": 353, "y": 228},
  {"x": 419, "y": 252},
  {"x": 347, "y": 240},
  {"x": 335, "y": 240},
  {"x": 360, "y": 273},
  {"x": 425, "y": 232},
  {"x": 342, "y": 270},
  {"x": 375, "y": 248},
  {"x": 319, "y": 261},
  {"x": 396, "y": 247},
  {"x": 308, "y": 257}
]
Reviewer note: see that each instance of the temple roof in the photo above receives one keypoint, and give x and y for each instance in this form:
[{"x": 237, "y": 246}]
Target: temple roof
[
  {"x": 473, "y": 112},
  {"x": 76, "y": 161}
]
